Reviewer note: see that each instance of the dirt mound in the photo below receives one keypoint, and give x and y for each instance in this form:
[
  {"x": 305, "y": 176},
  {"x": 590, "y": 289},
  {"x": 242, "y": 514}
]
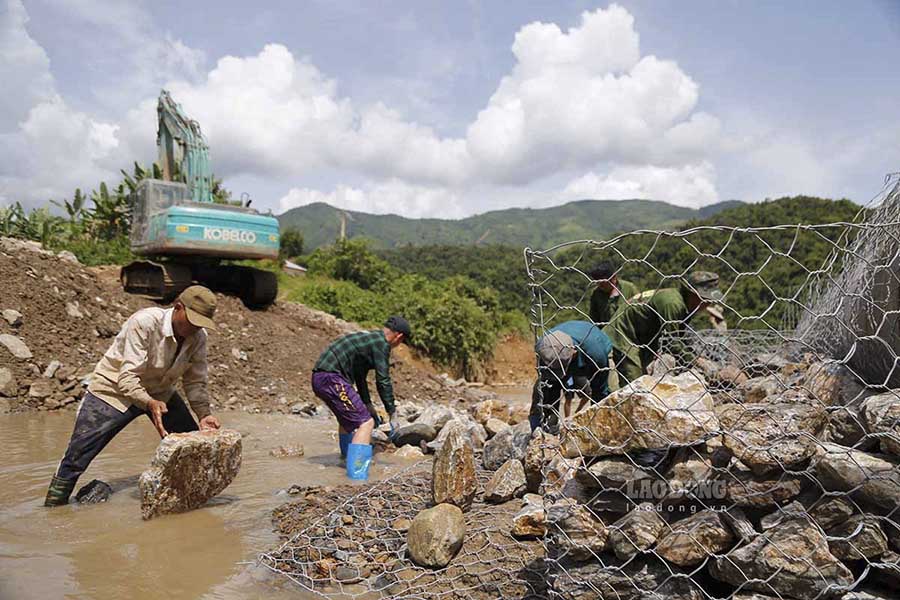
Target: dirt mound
[{"x": 260, "y": 361}]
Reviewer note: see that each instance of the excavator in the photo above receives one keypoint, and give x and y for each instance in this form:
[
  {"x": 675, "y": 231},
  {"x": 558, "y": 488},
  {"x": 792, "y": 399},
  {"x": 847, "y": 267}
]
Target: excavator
[{"x": 184, "y": 235}]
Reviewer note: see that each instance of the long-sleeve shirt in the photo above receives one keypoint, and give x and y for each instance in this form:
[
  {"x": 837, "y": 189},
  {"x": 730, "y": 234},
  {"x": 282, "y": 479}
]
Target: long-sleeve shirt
[
  {"x": 639, "y": 325},
  {"x": 354, "y": 355},
  {"x": 604, "y": 306},
  {"x": 593, "y": 348},
  {"x": 144, "y": 362}
]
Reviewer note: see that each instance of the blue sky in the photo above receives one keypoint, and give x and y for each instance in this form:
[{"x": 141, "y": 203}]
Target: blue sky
[{"x": 448, "y": 109}]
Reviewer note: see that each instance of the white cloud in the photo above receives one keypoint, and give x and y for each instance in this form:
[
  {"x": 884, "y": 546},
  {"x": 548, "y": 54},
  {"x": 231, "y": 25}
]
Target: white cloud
[
  {"x": 24, "y": 68},
  {"x": 691, "y": 186}
]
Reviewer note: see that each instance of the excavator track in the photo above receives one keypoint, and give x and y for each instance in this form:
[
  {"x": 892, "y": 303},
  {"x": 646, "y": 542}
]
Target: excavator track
[{"x": 164, "y": 280}]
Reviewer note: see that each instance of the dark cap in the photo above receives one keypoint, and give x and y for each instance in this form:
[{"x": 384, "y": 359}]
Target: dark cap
[
  {"x": 200, "y": 306},
  {"x": 705, "y": 284},
  {"x": 400, "y": 325}
]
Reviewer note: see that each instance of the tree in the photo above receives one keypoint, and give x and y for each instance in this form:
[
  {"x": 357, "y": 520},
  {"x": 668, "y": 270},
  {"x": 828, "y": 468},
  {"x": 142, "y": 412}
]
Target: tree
[{"x": 291, "y": 244}]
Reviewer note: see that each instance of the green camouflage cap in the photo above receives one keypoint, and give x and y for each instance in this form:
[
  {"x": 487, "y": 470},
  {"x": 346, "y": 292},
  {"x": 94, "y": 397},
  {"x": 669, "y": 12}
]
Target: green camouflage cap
[{"x": 705, "y": 284}]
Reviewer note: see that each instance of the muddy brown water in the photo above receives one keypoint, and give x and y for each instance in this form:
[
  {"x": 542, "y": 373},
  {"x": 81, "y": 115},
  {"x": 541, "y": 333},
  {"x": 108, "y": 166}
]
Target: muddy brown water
[{"x": 108, "y": 551}]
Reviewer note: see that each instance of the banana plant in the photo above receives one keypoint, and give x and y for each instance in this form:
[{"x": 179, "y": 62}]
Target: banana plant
[{"x": 75, "y": 208}]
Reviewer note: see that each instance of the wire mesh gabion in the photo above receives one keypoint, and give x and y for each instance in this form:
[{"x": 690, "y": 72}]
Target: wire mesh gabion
[{"x": 755, "y": 452}]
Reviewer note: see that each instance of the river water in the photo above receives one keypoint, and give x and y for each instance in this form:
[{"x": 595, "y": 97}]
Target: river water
[{"x": 107, "y": 551}]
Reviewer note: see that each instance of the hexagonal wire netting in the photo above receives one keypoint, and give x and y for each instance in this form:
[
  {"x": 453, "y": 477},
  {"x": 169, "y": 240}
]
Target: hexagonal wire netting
[{"x": 746, "y": 449}]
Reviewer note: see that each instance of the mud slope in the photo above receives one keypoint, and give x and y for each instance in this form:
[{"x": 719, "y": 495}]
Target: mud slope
[{"x": 259, "y": 360}]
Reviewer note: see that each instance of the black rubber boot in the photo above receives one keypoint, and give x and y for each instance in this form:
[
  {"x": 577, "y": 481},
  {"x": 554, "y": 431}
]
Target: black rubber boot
[{"x": 59, "y": 491}]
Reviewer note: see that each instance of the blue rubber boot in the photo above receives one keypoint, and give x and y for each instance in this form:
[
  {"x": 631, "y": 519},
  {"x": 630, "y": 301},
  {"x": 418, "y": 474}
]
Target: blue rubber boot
[
  {"x": 359, "y": 457},
  {"x": 344, "y": 440}
]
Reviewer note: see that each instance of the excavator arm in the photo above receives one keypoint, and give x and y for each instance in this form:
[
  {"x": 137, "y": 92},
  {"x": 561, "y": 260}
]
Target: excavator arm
[{"x": 183, "y": 152}]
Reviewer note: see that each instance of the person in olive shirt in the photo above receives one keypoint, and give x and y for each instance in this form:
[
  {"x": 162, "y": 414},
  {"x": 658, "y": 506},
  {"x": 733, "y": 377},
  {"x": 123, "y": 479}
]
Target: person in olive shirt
[
  {"x": 636, "y": 330},
  {"x": 345, "y": 364},
  {"x": 610, "y": 295},
  {"x": 571, "y": 353}
]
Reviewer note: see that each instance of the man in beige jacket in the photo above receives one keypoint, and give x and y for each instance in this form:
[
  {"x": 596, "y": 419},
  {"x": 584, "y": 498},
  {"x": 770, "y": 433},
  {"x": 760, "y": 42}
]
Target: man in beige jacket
[{"x": 156, "y": 348}]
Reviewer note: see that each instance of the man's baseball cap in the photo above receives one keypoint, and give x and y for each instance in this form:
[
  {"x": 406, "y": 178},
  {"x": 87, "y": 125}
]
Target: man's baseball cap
[
  {"x": 705, "y": 284},
  {"x": 400, "y": 325},
  {"x": 555, "y": 351},
  {"x": 200, "y": 306}
]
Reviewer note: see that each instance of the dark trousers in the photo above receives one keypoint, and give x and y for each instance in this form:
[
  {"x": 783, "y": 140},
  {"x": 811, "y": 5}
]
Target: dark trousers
[
  {"x": 97, "y": 423},
  {"x": 545, "y": 398}
]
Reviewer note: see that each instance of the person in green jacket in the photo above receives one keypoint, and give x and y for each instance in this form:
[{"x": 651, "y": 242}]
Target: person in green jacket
[
  {"x": 610, "y": 295},
  {"x": 636, "y": 329}
]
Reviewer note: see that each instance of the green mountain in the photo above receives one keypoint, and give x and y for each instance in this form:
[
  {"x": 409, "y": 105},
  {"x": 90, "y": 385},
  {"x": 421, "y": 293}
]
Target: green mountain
[{"x": 320, "y": 224}]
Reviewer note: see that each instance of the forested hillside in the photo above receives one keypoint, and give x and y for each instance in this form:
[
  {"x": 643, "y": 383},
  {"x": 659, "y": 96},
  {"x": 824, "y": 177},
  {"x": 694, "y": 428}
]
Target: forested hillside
[{"x": 320, "y": 224}]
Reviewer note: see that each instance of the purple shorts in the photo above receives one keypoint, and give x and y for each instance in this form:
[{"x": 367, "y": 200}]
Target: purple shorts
[{"x": 341, "y": 398}]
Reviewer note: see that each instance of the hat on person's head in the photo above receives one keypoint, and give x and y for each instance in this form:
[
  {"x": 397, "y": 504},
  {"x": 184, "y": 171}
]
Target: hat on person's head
[
  {"x": 705, "y": 284},
  {"x": 200, "y": 306},
  {"x": 555, "y": 351},
  {"x": 400, "y": 325}
]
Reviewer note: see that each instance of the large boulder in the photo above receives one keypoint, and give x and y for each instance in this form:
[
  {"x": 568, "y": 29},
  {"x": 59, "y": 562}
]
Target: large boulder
[
  {"x": 772, "y": 436},
  {"x": 493, "y": 426},
  {"x": 857, "y": 538},
  {"x": 690, "y": 541},
  {"x": 638, "y": 531},
  {"x": 576, "y": 533},
  {"x": 638, "y": 579},
  {"x": 436, "y": 535},
  {"x": 453, "y": 472},
  {"x": 189, "y": 469},
  {"x": 792, "y": 560},
  {"x": 507, "y": 482},
  {"x": 414, "y": 434},
  {"x": 881, "y": 417},
  {"x": 649, "y": 413},
  {"x": 472, "y": 431},
  {"x": 832, "y": 384},
  {"x": 870, "y": 478},
  {"x": 531, "y": 521},
  {"x": 745, "y": 489},
  {"x": 617, "y": 474},
  {"x": 509, "y": 443},
  {"x": 490, "y": 409}
]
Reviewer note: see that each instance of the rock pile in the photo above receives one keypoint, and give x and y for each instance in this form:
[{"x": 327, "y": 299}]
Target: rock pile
[
  {"x": 777, "y": 480},
  {"x": 188, "y": 470}
]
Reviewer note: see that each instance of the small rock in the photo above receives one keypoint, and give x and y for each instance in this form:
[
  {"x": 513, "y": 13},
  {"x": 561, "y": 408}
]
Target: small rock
[
  {"x": 832, "y": 384},
  {"x": 859, "y": 538},
  {"x": 238, "y": 354},
  {"x": 304, "y": 408},
  {"x": 13, "y": 317},
  {"x": 690, "y": 541},
  {"x": 409, "y": 453},
  {"x": 508, "y": 482},
  {"x": 507, "y": 444},
  {"x": 769, "y": 563},
  {"x": 531, "y": 521},
  {"x": 189, "y": 469},
  {"x": 636, "y": 532},
  {"x": 94, "y": 492},
  {"x": 494, "y": 426},
  {"x": 871, "y": 478},
  {"x": 15, "y": 346},
  {"x": 576, "y": 534},
  {"x": 414, "y": 434},
  {"x": 830, "y": 511},
  {"x": 541, "y": 450},
  {"x": 288, "y": 451},
  {"x": 8, "y": 385},
  {"x": 401, "y": 525},
  {"x": 740, "y": 524},
  {"x": 52, "y": 368},
  {"x": 453, "y": 478},
  {"x": 40, "y": 388},
  {"x": 68, "y": 257},
  {"x": 881, "y": 417},
  {"x": 488, "y": 409},
  {"x": 436, "y": 416},
  {"x": 436, "y": 535},
  {"x": 73, "y": 310},
  {"x": 745, "y": 489},
  {"x": 475, "y": 433}
]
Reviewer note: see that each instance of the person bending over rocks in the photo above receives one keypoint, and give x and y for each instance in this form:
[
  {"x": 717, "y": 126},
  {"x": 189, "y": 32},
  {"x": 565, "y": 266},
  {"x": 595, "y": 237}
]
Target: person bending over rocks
[
  {"x": 345, "y": 364},
  {"x": 576, "y": 351},
  {"x": 155, "y": 348},
  {"x": 635, "y": 331}
]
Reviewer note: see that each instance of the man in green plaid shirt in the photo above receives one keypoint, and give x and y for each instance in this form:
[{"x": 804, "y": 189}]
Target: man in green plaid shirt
[{"x": 345, "y": 364}]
